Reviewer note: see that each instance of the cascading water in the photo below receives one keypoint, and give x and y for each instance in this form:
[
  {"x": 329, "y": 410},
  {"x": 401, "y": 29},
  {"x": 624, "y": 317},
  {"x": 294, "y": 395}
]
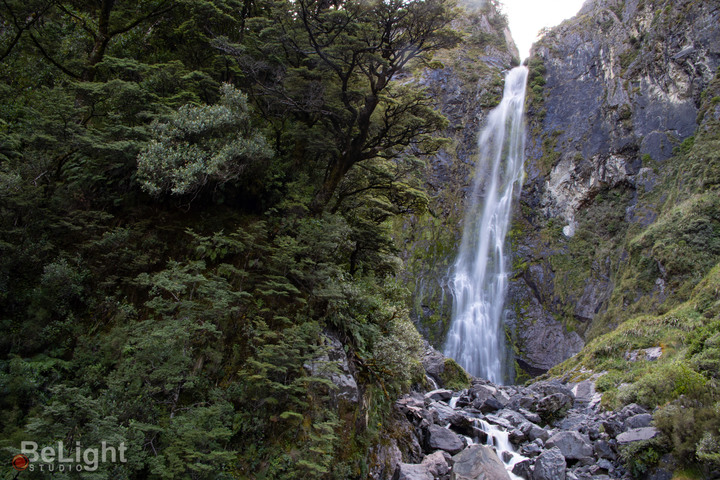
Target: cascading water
[{"x": 476, "y": 339}]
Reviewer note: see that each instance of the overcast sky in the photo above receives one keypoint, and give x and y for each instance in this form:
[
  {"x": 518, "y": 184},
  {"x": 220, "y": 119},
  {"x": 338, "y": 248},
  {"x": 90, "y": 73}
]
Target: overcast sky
[{"x": 527, "y": 17}]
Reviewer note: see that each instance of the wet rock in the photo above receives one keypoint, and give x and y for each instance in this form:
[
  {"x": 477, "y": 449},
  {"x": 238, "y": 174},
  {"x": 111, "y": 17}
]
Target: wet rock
[
  {"x": 516, "y": 436},
  {"x": 572, "y": 445},
  {"x": 439, "y": 438},
  {"x": 515, "y": 418},
  {"x": 439, "y": 395},
  {"x": 533, "y": 432},
  {"x": 478, "y": 462},
  {"x": 523, "y": 469},
  {"x": 550, "y": 465},
  {"x": 501, "y": 422},
  {"x": 434, "y": 363},
  {"x": 637, "y": 435}
]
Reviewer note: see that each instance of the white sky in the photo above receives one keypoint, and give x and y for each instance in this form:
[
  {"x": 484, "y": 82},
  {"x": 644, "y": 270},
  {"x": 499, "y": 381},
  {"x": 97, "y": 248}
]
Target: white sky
[{"x": 527, "y": 17}]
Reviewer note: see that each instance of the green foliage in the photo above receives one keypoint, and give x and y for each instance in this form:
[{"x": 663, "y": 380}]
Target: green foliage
[
  {"x": 201, "y": 144},
  {"x": 639, "y": 457}
]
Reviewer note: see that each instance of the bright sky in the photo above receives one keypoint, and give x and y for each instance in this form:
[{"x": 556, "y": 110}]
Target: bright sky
[{"x": 527, "y": 17}]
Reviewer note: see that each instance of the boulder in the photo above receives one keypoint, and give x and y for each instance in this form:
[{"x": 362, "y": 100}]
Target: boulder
[
  {"x": 439, "y": 395},
  {"x": 532, "y": 449},
  {"x": 515, "y": 418},
  {"x": 439, "y": 438},
  {"x": 523, "y": 469},
  {"x": 637, "y": 435},
  {"x": 533, "y": 417},
  {"x": 640, "y": 420},
  {"x": 571, "y": 444},
  {"x": 534, "y": 432},
  {"x": 406, "y": 471},
  {"x": 441, "y": 411},
  {"x": 550, "y": 465},
  {"x": 478, "y": 462},
  {"x": 436, "y": 464},
  {"x": 604, "y": 450},
  {"x": 554, "y": 404}
]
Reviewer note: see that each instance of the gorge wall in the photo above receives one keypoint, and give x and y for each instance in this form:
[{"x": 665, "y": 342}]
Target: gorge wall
[
  {"x": 615, "y": 97},
  {"x": 466, "y": 82}
]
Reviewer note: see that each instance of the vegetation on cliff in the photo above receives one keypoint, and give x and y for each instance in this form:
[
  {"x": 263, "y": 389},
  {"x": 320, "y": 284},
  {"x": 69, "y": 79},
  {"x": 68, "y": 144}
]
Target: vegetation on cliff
[{"x": 193, "y": 197}]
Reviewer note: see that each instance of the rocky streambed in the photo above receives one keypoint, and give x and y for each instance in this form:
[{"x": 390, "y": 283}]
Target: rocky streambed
[{"x": 546, "y": 431}]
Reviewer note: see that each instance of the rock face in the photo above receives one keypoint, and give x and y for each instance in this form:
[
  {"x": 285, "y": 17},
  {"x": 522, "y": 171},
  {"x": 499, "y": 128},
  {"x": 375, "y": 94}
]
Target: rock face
[
  {"x": 478, "y": 462},
  {"x": 611, "y": 93}
]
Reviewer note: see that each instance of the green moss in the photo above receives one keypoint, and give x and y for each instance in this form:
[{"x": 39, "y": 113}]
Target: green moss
[{"x": 454, "y": 376}]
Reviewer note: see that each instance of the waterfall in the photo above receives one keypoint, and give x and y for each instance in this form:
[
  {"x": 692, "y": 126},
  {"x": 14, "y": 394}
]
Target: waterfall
[{"x": 479, "y": 277}]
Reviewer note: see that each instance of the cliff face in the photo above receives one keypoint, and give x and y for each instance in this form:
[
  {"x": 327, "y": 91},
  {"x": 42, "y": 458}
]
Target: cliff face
[
  {"x": 615, "y": 96},
  {"x": 467, "y": 82}
]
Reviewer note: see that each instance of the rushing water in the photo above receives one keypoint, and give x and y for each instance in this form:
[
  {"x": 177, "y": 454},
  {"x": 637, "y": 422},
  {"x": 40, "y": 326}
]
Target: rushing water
[{"x": 479, "y": 276}]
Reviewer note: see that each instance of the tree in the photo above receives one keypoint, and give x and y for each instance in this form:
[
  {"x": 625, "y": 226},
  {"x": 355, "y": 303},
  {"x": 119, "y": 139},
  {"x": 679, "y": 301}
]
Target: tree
[
  {"x": 335, "y": 66},
  {"x": 199, "y": 144}
]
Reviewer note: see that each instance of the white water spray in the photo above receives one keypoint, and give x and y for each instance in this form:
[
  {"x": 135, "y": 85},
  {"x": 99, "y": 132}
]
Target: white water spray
[{"x": 476, "y": 339}]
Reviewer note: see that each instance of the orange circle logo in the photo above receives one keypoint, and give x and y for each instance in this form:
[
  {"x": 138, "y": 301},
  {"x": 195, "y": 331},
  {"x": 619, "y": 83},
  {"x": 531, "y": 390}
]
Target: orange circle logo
[{"x": 20, "y": 462}]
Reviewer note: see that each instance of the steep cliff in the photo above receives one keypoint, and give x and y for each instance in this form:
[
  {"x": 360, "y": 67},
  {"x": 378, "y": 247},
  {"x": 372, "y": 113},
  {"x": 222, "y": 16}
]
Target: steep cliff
[
  {"x": 467, "y": 82},
  {"x": 615, "y": 172}
]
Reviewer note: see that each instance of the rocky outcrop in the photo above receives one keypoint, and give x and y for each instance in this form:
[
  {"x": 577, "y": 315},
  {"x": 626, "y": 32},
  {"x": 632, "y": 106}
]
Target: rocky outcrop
[
  {"x": 611, "y": 94},
  {"x": 519, "y": 435}
]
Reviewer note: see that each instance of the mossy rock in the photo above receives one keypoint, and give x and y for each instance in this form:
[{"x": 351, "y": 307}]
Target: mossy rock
[{"x": 454, "y": 376}]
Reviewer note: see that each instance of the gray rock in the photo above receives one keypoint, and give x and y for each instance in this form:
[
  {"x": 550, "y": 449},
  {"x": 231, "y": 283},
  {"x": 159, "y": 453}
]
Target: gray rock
[
  {"x": 649, "y": 354},
  {"x": 512, "y": 416},
  {"x": 638, "y": 421},
  {"x": 478, "y": 462},
  {"x": 439, "y": 438},
  {"x": 516, "y": 436},
  {"x": 434, "y": 363},
  {"x": 385, "y": 459},
  {"x": 442, "y": 410},
  {"x": 637, "y": 435},
  {"x": 501, "y": 422},
  {"x": 553, "y": 405},
  {"x": 532, "y": 449},
  {"x": 533, "y": 417},
  {"x": 437, "y": 464},
  {"x": 550, "y": 465},
  {"x": 523, "y": 469},
  {"x": 334, "y": 366},
  {"x": 406, "y": 471},
  {"x": 534, "y": 432},
  {"x": 572, "y": 445},
  {"x": 604, "y": 450},
  {"x": 439, "y": 395}
]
